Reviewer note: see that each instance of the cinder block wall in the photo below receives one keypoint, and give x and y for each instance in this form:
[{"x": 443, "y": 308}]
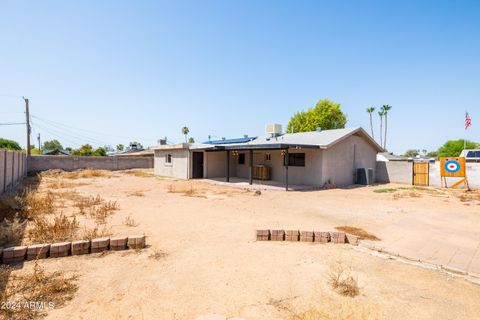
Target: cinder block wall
[
  {"x": 401, "y": 172},
  {"x": 70, "y": 163},
  {"x": 12, "y": 169}
]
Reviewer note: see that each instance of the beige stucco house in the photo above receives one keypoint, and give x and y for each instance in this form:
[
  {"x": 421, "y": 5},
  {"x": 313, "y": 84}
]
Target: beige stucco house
[{"x": 304, "y": 158}]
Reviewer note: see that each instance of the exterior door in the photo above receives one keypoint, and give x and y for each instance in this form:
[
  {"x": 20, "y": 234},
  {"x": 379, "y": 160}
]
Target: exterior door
[
  {"x": 421, "y": 171},
  {"x": 197, "y": 165}
]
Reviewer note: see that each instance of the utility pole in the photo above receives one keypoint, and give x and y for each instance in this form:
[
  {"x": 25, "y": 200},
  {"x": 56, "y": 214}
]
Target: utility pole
[
  {"x": 27, "y": 114},
  {"x": 39, "y": 144}
]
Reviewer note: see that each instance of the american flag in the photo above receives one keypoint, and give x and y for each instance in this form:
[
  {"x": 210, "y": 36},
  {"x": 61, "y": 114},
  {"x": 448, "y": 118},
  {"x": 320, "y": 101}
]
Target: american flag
[{"x": 468, "y": 121}]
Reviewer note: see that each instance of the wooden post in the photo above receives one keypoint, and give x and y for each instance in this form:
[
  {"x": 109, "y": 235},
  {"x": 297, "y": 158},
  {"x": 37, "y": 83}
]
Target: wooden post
[
  {"x": 228, "y": 165},
  {"x": 250, "y": 176},
  {"x": 286, "y": 169}
]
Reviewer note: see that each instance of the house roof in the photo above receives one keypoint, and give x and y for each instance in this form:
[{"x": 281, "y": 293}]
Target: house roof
[
  {"x": 55, "y": 151},
  {"x": 315, "y": 139},
  {"x": 226, "y": 141}
]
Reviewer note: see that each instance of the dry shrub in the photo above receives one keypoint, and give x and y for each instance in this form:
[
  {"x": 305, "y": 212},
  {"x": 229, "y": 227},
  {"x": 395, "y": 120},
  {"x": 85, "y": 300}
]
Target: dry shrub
[
  {"x": 139, "y": 173},
  {"x": 82, "y": 173},
  {"x": 345, "y": 311},
  {"x": 33, "y": 203},
  {"x": 136, "y": 194},
  {"x": 157, "y": 254},
  {"x": 360, "y": 233},
  {"x": 45, "y": 229},
  {"x": 50, "y": 290},
  {"x": 129, "y": 221},
  {"x": 99, "y": 231},
  {"x": 87, "y": 203},
  {"x": 62, "y": 184},
  {"x": 342, "y": 282},
  {"x": 190, "y": 191},
  {"x": 468, "y": 196},
  {"x": 11, "y": 231},
  {"x": 101, "y": 213}
]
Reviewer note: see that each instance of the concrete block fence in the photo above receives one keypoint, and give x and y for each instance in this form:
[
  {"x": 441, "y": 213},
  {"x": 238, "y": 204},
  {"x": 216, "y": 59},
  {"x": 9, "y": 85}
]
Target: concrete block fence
[
  {"x": 306, "y": 236},
  {"x": 13, "y": 168},
  {"x": 64, "y": 249},
  {"x": 71, "y": 163}
]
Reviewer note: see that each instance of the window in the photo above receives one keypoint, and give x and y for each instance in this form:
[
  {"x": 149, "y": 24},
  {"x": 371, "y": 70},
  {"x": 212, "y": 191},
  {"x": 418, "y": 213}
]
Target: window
[
  {"x": 268, "y": 157},
  {"x": 241, "y": 158},
  {"x": 296, "y": 159},
  {"x": 168, "y": 158}
]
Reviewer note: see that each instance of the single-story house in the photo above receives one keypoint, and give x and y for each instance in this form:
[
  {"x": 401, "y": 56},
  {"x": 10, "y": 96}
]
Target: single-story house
[{"x": 304, "y": 158}]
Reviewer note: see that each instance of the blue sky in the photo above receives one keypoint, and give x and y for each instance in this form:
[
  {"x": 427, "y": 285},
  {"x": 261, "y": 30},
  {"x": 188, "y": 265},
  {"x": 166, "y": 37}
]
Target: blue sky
[{"x": 108, "y": 72}]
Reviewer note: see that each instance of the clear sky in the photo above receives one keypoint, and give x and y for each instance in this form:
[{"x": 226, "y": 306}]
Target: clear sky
[{"x": 108, "y": 72}]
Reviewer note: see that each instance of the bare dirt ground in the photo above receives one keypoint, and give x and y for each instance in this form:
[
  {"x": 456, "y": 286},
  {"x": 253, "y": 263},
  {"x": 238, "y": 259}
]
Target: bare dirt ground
[{"x": 202, "y": 257}]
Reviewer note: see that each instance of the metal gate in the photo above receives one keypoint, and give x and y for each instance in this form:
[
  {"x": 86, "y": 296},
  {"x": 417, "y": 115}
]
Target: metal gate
[{"x": 421, "y": 171}]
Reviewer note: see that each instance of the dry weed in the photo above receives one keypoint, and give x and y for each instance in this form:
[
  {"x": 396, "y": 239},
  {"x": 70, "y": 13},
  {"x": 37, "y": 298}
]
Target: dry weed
[
  {"x": 101, "y": 213},
  {"x": 342, "y": 282},
  {"x": 140, "y": 173},
  {"x": 97, "y": 232},
  {"x": 87, "y": 203},
  {"x": 45, "y": 290},
  {"x": 33, "y": 203},
  {"x": 11, "y": 231},
  {"x": 45, "y": 229},
  {"x": 190, "y": 191},
  {"x": 62, "y": 184},
  {"x": 78, "y": 174},
  {"x": 129, "y": 221},
  {"x": 157, "y": 254},
  {"x": 136, "y": 194},
  {"x": 360, "y": 233}
]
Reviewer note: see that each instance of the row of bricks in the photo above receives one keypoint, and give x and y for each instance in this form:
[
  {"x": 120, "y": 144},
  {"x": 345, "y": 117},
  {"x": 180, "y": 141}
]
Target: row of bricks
[
  {"x": 306, "y": 236},
  {"x": 63, "y": 249}
]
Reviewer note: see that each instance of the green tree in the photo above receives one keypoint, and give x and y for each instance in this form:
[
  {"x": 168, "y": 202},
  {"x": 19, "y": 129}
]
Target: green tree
[
  {"x": 386, "y": 108},
  {"x": 370, "y": 111},
  {"x": 85, "y": 150},
  {"x": 185, "y": 132},
  {"x": 100, "y": 152},
  {"x": 9, "y": 144},
  {"x": 120, "y": 147},
  {"x": 453, "y": 148},
  {"x": 134, "y": 145},
  {"x": 191, "y": 140},
  {"x": 325, "y": 115},
  {"x": 432, "y": 154},
  {"x": 411, "y": 153},
  {"x": 52, "y": 145}
]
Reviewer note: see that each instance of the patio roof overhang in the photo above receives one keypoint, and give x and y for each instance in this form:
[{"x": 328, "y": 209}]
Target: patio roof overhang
[{"x": 269, "y": 146}]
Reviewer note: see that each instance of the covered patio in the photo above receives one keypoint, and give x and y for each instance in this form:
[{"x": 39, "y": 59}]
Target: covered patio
[{"x": 282, "y": 158}]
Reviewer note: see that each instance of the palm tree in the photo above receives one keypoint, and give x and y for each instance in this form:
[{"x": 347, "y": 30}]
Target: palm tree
[
  {"x": 371, "y": 110},
  {"x": 385, "y": 109},
  {"x": 185, "y": 131},
  {"x": 381, "y": 114}
]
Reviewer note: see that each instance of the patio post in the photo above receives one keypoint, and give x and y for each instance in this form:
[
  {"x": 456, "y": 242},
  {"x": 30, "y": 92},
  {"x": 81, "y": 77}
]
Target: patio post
[
  {"x": 250, "y": 177},
  {"x": 286, "y": 169},
  {"x": 228, "y": 165}
]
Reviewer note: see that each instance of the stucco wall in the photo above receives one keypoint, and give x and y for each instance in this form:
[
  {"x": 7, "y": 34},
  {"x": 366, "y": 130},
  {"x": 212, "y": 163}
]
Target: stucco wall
[
  {"x": 341, "y": 161},
  {"x": 70, "y": 163},
  {"x": 215, "y": 164},
  {"x": 401, "y": 172},
  {"x": 12, "y": 169},
  {"x": 179, "y": 168}
]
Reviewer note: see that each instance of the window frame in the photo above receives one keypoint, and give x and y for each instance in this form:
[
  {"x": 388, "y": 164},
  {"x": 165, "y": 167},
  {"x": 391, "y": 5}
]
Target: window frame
[
  {"x": 297, "y": 159},
  {"x": 168, "y": 159}
]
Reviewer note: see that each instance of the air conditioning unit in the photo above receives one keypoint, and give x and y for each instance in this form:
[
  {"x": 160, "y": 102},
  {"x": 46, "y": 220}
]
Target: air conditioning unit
[
  {"x": 365, "y": 176},
  {"x": 273, "y": 129}
]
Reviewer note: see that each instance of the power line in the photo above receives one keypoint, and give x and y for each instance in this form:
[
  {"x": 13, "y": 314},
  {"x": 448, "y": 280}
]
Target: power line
[
  {"x": 51, "y": 122},
  {"x": 11, "y": 123},
  {"x": 72, "y": 133}
]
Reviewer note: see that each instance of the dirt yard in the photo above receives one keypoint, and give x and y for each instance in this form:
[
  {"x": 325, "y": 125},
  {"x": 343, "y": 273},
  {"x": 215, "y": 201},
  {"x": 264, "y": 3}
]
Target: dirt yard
[{"x": 203, "y": 258}]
